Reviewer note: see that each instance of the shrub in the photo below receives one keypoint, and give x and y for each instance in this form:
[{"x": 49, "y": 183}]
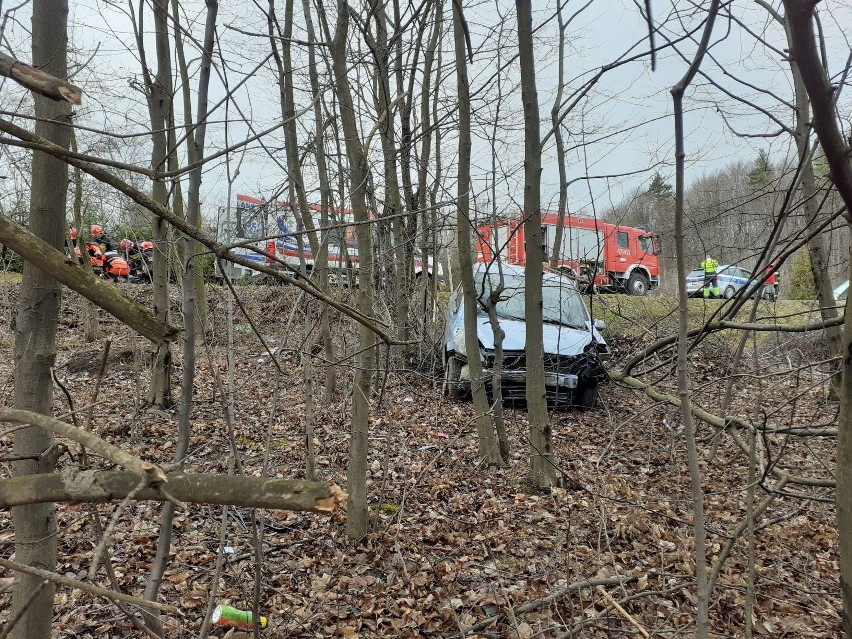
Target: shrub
[
  {"x": 802, "y": 285},
  {"x": 10, "y": 261},
  {"x": 207, "y": 261}
]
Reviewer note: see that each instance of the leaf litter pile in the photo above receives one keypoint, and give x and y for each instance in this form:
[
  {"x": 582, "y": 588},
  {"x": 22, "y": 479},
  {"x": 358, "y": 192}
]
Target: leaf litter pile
[{"x": 454, "y": 549}]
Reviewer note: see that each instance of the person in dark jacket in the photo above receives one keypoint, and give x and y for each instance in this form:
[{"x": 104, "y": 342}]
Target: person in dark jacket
[{"x": 102, "y": 239}]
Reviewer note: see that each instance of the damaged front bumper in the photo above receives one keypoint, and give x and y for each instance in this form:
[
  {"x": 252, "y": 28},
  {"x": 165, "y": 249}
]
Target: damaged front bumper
[{"x": 564, "y": 376}]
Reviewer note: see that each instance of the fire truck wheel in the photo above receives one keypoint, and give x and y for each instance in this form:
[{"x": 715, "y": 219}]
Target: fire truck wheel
[{"x": 637, "y": 284}]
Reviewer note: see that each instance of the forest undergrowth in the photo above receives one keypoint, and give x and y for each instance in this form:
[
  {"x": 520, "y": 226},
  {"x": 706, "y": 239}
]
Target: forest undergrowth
[{"x": 454, "y": 549}]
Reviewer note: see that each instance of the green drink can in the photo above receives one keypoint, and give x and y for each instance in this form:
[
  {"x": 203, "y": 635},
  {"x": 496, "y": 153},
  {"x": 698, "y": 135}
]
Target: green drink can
[{"x": 227, "y": 616}]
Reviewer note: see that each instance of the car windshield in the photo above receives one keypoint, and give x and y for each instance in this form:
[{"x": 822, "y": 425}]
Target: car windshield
[
  {"x": 562, "y": 303},
  {"x": 696, "y": 273}
]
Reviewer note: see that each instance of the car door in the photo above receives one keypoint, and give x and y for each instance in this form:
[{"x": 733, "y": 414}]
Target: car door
[{"x": 743, "y": 277}]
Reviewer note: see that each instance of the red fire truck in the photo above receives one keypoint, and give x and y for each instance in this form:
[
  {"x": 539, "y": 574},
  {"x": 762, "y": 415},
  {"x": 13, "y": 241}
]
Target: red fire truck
[
  {"x": 606, "y": 256},
  {"x": 260, "y": 219}
]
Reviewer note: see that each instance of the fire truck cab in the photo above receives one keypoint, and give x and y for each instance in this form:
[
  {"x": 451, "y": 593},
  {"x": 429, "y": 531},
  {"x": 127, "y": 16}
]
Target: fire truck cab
[{"x": 599, "y": 255}]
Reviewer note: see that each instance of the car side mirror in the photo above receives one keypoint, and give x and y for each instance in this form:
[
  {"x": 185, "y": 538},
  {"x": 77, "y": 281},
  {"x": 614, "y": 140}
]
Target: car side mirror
[{"x": 600, "y": 325}]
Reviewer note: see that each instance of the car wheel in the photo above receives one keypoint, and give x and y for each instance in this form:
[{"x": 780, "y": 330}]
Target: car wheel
[
  {"x": 585, "y": 397},
  {"x": 729, "y": 292},
  {"x": 637, "y": 284}
]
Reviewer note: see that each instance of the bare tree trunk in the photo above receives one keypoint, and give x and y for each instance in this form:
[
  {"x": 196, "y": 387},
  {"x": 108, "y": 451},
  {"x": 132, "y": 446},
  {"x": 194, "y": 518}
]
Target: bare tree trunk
[
  {"x": 489, "y": 450},
  {"x": 321, "y": 260},
  {"x": 816, "y": 245},
  {"x": 542, "y": 467},
  {"x": 177, "y": 196},
  {"x": 189, "y": 303},
  {"x": 428, "y": 247},
  {"x": 556, "y": 252},
  {"x": 160, "y": 95},
  {"x": 288, "y": 114},
  {"x": 838, "y": 154},
  {"x": 493, "y": 298},
  {"x": 436, "y": 183},
  {"x": 91, "y": 328},
  {"x": 385, "y": 105},
  {"x": 497, "y": 373},
  {"x": 356, "y": 518},
  {"x": 408, "y": 225},
  {"x": 702, "y": 624},
  {"x": 35, "y": 329},
  {"x": 296, "y": 189}
]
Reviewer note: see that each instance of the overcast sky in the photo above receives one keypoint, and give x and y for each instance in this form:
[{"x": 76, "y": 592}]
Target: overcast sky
[{"x": 624, "y": 126}]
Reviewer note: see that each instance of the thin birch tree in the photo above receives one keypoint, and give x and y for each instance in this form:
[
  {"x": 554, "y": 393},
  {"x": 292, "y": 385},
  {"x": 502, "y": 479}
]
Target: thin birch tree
[
  {"x": 702, "y": 626},
  {"x": 160, "y": 95},
  {"x": 542, "y": 465},
  {"x": 489, "y": 449},
  {"x": 357, "y": 514}
]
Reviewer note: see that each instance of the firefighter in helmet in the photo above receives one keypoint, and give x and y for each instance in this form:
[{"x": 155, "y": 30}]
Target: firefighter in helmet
[
  {"x": 711, "y": 278},
  {"x": 101, "y": 239}
]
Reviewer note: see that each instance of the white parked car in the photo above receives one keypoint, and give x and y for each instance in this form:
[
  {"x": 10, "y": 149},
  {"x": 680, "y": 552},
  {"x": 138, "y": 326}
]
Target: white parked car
[{"x": 573, "y": 345}]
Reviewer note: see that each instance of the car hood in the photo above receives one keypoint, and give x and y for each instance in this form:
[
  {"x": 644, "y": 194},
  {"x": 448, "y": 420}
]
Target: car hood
[{"x": 557, "y": 339}]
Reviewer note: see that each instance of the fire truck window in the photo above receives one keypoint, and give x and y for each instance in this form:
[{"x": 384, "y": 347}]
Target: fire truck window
[
  {"x": 623, "y": 239},
  {"x": 646, "y": 244}
]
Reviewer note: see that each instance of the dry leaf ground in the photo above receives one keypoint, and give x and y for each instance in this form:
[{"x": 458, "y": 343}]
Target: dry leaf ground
[{"x": 452, "y": 544}]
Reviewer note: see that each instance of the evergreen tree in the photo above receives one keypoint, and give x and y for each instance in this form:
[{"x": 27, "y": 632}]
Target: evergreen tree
[
  {"x": 762, "y": 172},
  {"x": 660, "y": 190}
]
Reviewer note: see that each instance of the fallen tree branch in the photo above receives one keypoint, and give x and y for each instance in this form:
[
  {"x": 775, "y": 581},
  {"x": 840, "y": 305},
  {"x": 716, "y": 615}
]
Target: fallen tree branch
[
  {"x": 729, "y": 325},
  {"x": 71, "y": 273},
  {"x": 82, "y": 585},
  {"x": 777, "y": 328},
  {"x": 556, "y": 594},
  {"x": 38, "y": 81},
  {"x": 623, "y": 612},
  {"x": 590, "y": 622},
  {"x": 722, "y": 423},
  {"x": 152, "y": 473},
  {"x": 93, "y": 486}
]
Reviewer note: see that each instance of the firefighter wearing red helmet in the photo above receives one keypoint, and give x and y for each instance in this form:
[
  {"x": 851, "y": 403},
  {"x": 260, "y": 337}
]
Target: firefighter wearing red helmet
[
  {"x": 101, "y": 238},
  {"x": 138, "y": 256}
]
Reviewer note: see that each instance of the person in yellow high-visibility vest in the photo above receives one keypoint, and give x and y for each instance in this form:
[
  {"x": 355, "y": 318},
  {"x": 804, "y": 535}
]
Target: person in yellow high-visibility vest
[{"x": 711, "y": 279}]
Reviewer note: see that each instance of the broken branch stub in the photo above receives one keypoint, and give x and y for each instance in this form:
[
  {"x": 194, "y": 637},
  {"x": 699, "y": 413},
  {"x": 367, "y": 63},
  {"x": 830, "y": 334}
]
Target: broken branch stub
[{"x": 38, "y": 81}]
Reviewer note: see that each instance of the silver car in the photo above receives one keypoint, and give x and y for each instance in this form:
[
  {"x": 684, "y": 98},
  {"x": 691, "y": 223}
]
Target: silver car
[
  {"x": 730, "y": 279},
  {"x": 573, "y": 345}
]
